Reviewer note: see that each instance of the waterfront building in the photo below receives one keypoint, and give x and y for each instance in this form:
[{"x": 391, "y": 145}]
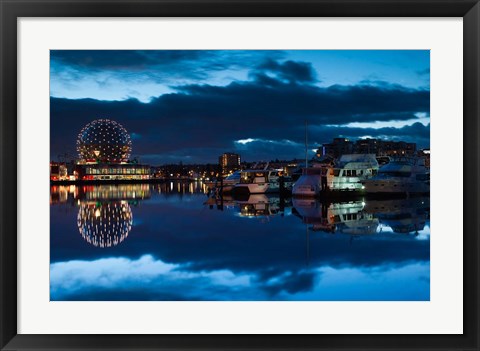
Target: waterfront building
[
  {"x": 104, "y": 148},
  {"x": 112, "y": 171},
  {"x": 392, "y": 148},
  {"x": 342, "y": 146},
  {"x": 58, "y": 171},
  {"x": 337, "y": 148},
  {"x": 367, "y": 146},
  {"x": 229, "y": 162}
]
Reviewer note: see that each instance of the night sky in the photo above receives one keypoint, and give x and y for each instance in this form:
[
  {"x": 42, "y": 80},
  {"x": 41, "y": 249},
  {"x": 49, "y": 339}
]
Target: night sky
[{"x": 191, "y": 106}]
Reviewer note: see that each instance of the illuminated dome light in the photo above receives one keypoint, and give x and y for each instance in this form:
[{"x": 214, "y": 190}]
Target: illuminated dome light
[
  {"x": 105, "y": 225},
  {"x": 104, "y": 140}
]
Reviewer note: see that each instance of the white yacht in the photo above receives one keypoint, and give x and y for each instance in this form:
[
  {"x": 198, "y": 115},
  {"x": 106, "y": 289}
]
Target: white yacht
[
  {"x": 310, "y": 182},
  {"x": 228, "y": 183},
  {"x": 401, "y": 175},
  {"x": 261, "y": 181},
  {"x": 346, "y": 174}
]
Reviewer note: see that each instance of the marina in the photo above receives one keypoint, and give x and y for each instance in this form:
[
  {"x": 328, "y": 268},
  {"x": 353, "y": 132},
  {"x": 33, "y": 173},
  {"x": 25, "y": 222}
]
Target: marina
[
  {"x": 262, "y": 182},
  {"x": 104, "y": 148},
  {"x": 343, "y": 175},
  {"x": 239, "y": 175},
  {"x": 349, "y": 175}
]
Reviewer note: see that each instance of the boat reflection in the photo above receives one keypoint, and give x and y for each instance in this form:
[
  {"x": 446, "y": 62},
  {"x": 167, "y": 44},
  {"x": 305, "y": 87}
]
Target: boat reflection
[
  {"x": 401, "y": 215},
  {"x": 365, "y": 217},
  {"x": 347, "y": 217},
  {"x": 251, "y": 206},
  {"x": 260, "y": 205},
  {"x": 104, "y": 224},
  {"x": 361, "y": 217}
]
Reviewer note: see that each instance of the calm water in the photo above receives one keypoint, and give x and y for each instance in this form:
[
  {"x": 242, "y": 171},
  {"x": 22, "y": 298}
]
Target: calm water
[{"x": 173, "y": 242}]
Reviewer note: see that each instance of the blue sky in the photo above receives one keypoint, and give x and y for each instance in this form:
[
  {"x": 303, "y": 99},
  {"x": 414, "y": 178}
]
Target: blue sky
[{"x": 191, "y": 106}]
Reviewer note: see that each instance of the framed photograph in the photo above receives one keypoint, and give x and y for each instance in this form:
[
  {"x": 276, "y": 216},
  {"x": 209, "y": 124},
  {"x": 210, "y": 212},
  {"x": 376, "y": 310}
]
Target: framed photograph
[{"x": 239, "y": 175}]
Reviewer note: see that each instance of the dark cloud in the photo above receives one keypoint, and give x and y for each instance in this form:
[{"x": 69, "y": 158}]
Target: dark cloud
[
  {"x": 424, "y": 72},
  {"x": 290, "y": 71},
  {"x": 193, "y": 64},
  {"x": 118, "y": 59},
  {"x": 130, "y": 59},
  {"x": 416, "y": 133},
  {"x": 213, "y": 117},
  {"x": 293, "y": 283}
]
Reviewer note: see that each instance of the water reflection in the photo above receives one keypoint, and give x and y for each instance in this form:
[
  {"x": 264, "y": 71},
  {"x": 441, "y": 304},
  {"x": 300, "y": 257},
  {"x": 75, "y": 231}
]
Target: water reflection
[
  {"x": 170, "y": 241},
  {"x": 259, "y": 205},
  {"x": 359, "y": 217},
  {"x": 104, "y": 224},
  {"x": 346, "y": 217},
  {"x": 71, "y": 193},
  {"x": 180, "y": 188},
  {"x": 401, "y": 215},
  {"x": 365, "y": 216},
  {"x": 104, "y": 217},
  {"x": 115, "y": 192}
]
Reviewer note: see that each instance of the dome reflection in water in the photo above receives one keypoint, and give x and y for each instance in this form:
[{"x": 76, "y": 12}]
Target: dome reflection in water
[{"x": 105, "y": 224}]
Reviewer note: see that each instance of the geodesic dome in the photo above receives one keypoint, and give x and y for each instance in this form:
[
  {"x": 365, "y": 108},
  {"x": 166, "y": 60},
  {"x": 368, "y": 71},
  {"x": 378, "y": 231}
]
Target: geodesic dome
[
  {"x": 105, "y": 224},
  {"x": 104, "y": 140}
]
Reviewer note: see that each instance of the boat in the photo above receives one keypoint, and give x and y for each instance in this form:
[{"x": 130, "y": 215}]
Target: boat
[
  {"x": 345, "y": 175},
  {"x": 407, "y": 175},
  {"x": 225, "y": 185},
  {"x": 262, "y": 181}
]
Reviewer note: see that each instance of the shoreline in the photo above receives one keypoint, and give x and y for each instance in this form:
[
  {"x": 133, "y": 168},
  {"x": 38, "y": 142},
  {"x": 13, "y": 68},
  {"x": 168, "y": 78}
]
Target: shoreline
[{"x": 119, "y": 181}]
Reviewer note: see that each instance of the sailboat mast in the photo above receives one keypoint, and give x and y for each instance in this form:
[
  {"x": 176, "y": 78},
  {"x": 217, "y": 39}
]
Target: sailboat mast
[{"x": 306, "y": 145}]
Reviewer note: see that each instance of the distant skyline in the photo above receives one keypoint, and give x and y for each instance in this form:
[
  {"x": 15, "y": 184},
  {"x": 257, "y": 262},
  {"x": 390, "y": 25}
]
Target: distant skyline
[{"x": 192, "y": 106}]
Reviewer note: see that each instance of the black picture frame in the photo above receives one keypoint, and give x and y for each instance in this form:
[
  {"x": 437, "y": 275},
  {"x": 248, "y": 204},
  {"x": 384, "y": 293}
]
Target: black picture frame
[{"x": 11, "y": 10}]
